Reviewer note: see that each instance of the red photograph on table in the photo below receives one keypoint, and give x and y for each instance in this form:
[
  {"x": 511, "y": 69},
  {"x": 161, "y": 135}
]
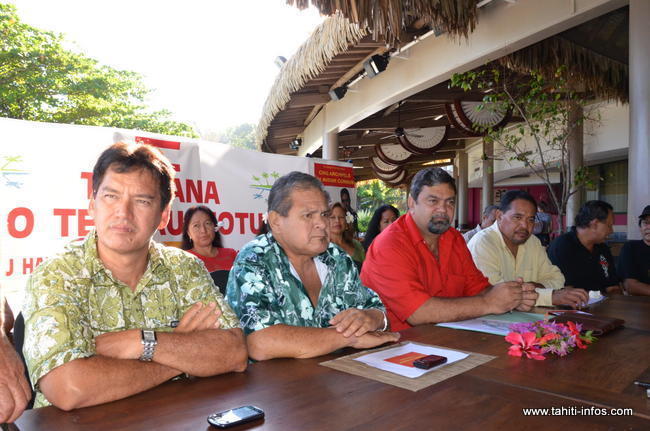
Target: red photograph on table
[{"x": 406, "y": 359}]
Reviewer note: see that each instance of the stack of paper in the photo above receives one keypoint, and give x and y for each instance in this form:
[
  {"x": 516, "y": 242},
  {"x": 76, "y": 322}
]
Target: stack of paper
[{"x": 399, "y": 360}]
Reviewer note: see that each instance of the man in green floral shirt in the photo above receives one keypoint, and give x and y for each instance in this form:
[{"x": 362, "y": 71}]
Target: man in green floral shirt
[
  {"x": 296, "y": 294},
  {"x": 117, "y": 314}
]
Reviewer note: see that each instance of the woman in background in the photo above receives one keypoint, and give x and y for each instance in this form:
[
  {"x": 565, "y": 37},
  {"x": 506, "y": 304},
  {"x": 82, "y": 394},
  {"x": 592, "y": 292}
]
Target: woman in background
[
  {"x": 341, "y": 233},
  {"x": 383, "y": 216},
  {"x": 201, "y": 237}
]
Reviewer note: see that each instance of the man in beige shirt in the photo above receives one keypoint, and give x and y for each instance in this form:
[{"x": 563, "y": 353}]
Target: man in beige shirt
[{"x": 508, "y": 251}]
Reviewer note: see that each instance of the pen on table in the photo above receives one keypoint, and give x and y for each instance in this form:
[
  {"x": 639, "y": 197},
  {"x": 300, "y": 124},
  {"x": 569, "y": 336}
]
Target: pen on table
[{"x": 642, "y": 384}]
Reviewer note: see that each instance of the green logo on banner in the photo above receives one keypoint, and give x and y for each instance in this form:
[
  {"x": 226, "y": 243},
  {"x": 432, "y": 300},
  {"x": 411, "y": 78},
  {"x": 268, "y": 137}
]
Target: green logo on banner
[
  {"x": 263, "y": 184},
  {"x": 10, "y": 175}
]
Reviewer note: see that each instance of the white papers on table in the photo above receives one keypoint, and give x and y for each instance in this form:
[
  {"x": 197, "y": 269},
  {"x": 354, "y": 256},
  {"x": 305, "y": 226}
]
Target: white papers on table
[
  {"x": 497, "y": 324},
  {"x": 378, "y": 359},
  {"x": 595, "y": 297}
]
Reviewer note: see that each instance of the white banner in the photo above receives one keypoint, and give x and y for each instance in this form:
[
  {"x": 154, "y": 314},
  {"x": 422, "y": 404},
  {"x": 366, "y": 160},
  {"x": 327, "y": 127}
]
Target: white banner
[{"x": 46, "y": 181}]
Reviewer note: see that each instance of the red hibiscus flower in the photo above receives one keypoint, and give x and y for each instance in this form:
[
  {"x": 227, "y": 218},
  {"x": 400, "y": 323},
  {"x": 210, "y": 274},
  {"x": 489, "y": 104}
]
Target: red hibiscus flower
[
  {"x": 526, "y": 343},
  {"x": 575, "y": 331}
]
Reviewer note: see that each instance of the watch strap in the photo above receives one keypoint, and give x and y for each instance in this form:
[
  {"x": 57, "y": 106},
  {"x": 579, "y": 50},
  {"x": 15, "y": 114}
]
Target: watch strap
[{"x": 149, "y": 342}]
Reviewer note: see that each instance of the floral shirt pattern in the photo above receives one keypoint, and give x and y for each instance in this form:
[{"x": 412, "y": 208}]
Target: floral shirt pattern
[
  {"x": 72, "y": 298},
  {"x": 263, "y": 292}
]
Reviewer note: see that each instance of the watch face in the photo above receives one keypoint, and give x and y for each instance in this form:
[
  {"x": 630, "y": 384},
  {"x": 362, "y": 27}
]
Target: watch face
[{"x": 148, "y": 336}]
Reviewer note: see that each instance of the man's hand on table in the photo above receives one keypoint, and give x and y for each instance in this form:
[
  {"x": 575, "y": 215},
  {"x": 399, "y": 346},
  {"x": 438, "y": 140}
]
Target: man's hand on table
[
  {"x": 503, "y": 297},
  {"x": 373, "y": 339},
  {"x": 528, "y": 295},
  {"x": 614, "y": 290},
  {"x": 354, "y": 321},
  {"x": 574, "y": 298}
]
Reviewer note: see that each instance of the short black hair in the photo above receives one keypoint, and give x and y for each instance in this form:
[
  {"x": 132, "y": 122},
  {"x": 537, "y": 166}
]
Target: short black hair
[
  {"x": 279, "y": 197},
  {"x": 186, "y": 242},
  {"x": 511, "y": 195},
  {"x": 430, "y": 177},
  {"x": 592, "y": 210},
  {"x": 123, "y": 158}
]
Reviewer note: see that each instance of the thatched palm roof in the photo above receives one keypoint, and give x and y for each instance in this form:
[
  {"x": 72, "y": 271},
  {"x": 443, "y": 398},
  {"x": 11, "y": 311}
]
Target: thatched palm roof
[
  {"x": 388, "y": 19},
  {"x": 330, "y": 38},
  {"x": 594, "y": 52}
]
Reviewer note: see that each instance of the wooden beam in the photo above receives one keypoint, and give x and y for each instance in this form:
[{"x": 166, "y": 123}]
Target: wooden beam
[
  {"x": 315, "y": 110},
  {"x": 419, "y": 118},
  {"x": 286, "y": 132},
  {"x": 308, "y": 100}
]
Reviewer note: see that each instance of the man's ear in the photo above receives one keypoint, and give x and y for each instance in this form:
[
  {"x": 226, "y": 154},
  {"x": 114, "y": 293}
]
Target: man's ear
[
  {"x": 274, "y": 220},
  {"x": 91, "y": 207},
  {"x": 164, "y": 217},
  {"x": 498, "y": 214},
  {"x": 410, "y": 202}
]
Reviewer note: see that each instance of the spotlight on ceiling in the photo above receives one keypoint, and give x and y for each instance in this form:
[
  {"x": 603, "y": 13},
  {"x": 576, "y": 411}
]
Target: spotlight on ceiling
[
  {"x": 295, "y": 144},
  {"x": 338, "y": 93},
  {"x": 376, "y": 64}
]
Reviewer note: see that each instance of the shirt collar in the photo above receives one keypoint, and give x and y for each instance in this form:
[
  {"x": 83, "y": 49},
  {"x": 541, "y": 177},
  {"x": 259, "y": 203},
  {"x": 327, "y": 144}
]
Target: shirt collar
[
  {"x": 324, "y": 257},
  {"x": 494, "y": 229},
  {"x": 412, "y": 229},
  {"x": 95, "y": 264}
]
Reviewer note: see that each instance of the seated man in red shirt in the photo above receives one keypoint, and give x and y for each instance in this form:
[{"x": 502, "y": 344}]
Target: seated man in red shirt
[{"x": 421, "y": 267}]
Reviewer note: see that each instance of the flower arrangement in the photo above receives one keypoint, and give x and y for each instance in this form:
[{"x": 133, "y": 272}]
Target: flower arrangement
[{"x": 536, "y": 339}]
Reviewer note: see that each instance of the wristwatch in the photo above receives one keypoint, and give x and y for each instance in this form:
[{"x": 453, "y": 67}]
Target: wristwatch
[{"x": 149, "y": 342}]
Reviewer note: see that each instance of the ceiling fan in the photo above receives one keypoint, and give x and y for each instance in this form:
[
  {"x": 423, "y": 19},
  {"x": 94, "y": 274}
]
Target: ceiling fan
[
  {"x": 475, "y": 118},
  {"x": 401, "y": 132}
]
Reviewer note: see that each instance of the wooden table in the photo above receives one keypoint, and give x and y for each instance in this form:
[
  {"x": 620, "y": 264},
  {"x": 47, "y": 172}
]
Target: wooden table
[{"x": 302, "y": 395}]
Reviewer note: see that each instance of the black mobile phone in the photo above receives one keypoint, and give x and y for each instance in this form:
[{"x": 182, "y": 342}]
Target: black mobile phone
[
  {"x": 232, "y": 417},
  {"x": 429, "y": 362}
]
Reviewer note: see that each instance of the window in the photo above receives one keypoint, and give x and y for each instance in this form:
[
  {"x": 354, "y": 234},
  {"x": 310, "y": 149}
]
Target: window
[{"x": 610, "y": 184}]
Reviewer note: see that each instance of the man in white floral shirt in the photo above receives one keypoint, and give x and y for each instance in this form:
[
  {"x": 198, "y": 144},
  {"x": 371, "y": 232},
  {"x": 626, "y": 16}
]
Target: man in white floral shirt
[
  {"x": 117, "y": 314},
  {"x": 296, "y": 294}
]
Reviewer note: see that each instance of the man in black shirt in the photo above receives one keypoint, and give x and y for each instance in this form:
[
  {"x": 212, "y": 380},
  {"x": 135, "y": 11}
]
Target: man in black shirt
[
  {"x": 582, "y": 255},
  {"x": 634, "y": 261}
]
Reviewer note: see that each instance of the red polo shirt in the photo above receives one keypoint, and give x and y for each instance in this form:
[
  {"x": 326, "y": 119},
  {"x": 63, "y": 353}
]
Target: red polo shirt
[
  {"x": 222, "y": 261},
  {"x": 402, "y": 270}
]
